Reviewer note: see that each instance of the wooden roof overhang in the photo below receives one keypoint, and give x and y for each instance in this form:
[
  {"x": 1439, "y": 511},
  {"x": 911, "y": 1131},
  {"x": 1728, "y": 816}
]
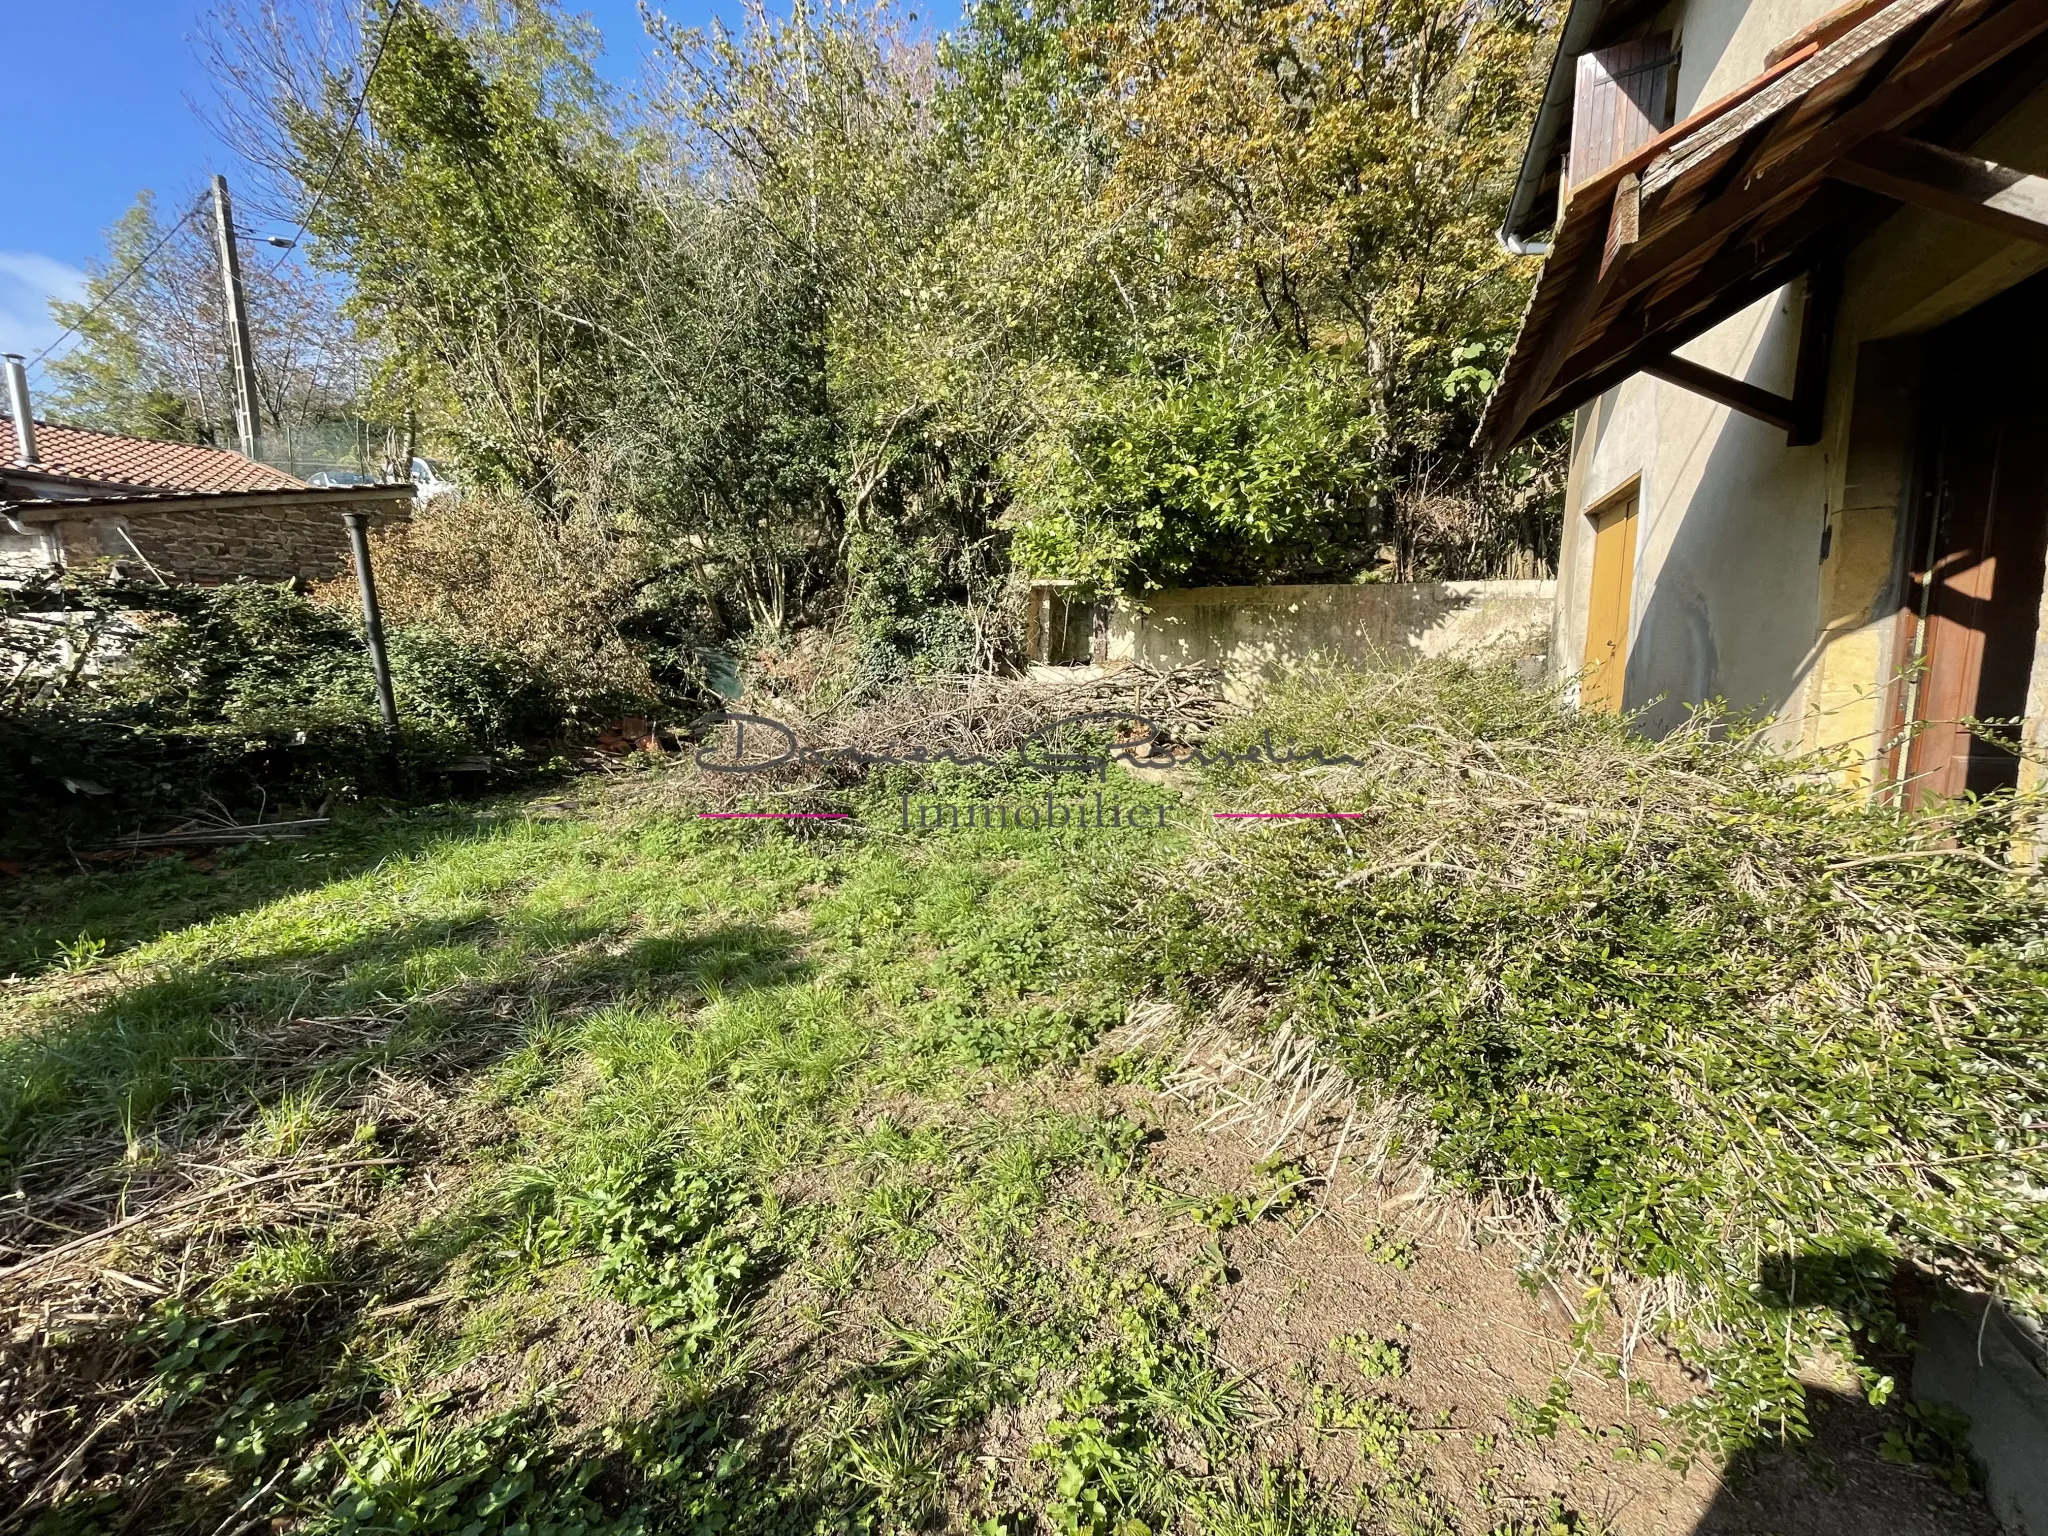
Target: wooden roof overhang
[
  {"x": 385, "y": 503},
  {"x": 1774, "y": 180}
]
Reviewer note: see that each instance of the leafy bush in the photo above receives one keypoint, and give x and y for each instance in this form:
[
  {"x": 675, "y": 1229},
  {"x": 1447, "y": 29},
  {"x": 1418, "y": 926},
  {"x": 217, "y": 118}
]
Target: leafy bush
[
  {"x": 247, "y": 695},
  {"x": 1708, "y": 1021},
  {"x": 426, "y": 1473},
  {"x": 674, "y": 1241},
  {"x": 1238, "y": 465},
  {"x": 513, "y": 581}
]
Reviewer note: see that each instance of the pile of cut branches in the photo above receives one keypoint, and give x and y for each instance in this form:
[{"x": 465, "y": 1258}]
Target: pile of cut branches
[
  {"x": 1688, "y": 1012},
  {"x": 987, "y": 725}
]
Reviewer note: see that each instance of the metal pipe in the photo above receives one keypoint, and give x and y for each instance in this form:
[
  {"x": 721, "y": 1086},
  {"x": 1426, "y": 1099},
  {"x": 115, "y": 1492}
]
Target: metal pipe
[
  {"x": 1515, "y": 245},
  {"x": 25, "y": 451},
  {"x": 373, "y": 621}
]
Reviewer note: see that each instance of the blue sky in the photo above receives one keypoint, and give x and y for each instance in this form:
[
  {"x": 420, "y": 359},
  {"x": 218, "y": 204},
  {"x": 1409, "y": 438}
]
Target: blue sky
[{"x": 104, "y": 92}]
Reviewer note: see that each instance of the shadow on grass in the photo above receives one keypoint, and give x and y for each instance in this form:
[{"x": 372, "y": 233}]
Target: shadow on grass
[
  {"x": 125, "y": 906},
  {"x": 265, "y": 1379},
  {"x": 173, "y": 1056},
  {"x": 708, "y": 1464}
]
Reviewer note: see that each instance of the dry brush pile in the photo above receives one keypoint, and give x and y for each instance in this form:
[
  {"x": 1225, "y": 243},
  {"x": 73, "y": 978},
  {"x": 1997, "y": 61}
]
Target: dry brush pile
[
  {"x": 1712, "y": 1034},
  {"x": 966, "y": 730}
]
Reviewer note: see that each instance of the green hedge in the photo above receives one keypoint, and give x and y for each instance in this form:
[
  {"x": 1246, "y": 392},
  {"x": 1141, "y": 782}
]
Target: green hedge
[{"x": 244, "y": 695}]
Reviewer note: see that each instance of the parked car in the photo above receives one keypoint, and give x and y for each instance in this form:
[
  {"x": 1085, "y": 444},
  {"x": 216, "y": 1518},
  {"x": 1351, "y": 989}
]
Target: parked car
[
  {"x": 431, "y": 482},
  {"x": 340, "y": 477}
]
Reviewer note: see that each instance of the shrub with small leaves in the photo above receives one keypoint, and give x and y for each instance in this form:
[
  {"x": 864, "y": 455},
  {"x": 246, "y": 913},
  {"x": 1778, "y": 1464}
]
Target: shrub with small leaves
[
  {"x": 1375, "y": 1358},
  {"x": 1701, "y": 1015}
]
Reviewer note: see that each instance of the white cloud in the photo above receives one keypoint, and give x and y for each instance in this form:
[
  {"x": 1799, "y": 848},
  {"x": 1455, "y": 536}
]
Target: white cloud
[{"x": 27, "y": 284}]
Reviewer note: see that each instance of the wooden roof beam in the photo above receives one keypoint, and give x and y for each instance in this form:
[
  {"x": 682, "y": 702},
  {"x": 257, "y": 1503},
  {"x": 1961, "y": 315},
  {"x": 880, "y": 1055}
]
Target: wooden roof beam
[
  {"x": 1724, "y": 285},
  {"x": 1589, "y": 285},
  {"x": 1661, "y": 339},
  {"x": 1797, "y": 416},
  {"x": 1962, "y": 186},
  {"x": 1919, "y": 85},
  {"x": 1812, "y": 241},
  {"x": 1942, "y": 61},
  {"x": 1724, "y": 389}
]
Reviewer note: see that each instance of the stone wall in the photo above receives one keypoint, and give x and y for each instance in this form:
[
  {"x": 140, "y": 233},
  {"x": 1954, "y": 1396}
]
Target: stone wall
[
  {"x": 1256, "y": 635},
  {"x": 215, "y": 544}
]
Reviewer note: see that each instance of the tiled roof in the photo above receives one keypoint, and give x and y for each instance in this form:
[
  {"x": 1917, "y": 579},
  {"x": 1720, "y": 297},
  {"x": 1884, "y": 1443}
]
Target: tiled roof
[{"x": 106, "y": 458}]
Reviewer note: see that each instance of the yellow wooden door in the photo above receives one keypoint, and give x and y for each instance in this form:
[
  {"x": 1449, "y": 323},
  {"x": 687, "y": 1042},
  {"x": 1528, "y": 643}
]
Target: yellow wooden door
[{"x": 1607, "y": 606}]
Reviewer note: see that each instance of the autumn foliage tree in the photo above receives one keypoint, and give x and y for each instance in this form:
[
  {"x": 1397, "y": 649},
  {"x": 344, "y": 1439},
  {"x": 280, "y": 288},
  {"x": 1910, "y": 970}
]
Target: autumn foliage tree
[{"x": 841, "y": 322}]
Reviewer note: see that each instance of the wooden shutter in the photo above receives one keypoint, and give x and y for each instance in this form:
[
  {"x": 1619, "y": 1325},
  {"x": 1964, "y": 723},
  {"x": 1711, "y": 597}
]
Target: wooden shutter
[{"x": 1623, "y": 101}]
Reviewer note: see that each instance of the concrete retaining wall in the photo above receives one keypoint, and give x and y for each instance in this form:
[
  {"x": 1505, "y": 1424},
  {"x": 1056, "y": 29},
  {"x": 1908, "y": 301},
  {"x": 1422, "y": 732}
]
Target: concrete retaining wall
[
  {"x": 1257, "y": 635},
  {"x": 1976, "y": 1356}
]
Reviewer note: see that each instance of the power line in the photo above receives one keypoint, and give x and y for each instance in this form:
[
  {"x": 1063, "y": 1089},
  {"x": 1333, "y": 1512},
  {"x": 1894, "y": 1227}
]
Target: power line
[
  {"x": 348, "y": 133},
  {"x": 126, "y": 278},
  {"x": 319, "y": 196}
]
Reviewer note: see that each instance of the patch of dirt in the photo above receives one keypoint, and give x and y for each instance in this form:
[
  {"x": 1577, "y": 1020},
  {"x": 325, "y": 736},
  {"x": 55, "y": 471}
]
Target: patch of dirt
[
  {"x": 1481, "y": 1352},
  {"x": 594, "y": 1354}
]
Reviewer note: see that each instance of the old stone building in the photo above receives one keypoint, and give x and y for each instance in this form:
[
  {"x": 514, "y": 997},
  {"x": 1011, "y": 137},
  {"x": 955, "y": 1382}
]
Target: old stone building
[{"x": 71, "y": 496}]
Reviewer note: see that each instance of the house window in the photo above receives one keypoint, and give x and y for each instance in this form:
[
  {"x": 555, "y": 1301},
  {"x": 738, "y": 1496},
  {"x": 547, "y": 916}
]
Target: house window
[{"x": 1623, "y": 100}]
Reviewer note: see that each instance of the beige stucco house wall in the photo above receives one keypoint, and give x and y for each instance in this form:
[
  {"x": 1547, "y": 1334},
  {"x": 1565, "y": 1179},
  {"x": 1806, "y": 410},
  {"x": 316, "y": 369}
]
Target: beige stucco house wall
[{"x": 1768, "y": 576}]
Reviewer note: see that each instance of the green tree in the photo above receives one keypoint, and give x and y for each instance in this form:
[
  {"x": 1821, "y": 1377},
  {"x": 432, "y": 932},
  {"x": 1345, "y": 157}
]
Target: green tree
[{"x": 479, "y": 205}]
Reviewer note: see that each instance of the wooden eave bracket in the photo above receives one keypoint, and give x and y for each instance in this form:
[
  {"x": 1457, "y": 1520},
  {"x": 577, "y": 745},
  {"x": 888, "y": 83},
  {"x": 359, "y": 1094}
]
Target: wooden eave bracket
[
  {"x": 1722, "y": 389},
  {"x": 1799, "y": 414},
  {"x": 1982, "y": 192},
  {"x": 1640, "y": 246}
]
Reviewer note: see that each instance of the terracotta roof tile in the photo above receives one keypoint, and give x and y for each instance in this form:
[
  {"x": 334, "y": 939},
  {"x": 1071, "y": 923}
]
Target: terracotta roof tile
[{"x": 107, "y": 458}]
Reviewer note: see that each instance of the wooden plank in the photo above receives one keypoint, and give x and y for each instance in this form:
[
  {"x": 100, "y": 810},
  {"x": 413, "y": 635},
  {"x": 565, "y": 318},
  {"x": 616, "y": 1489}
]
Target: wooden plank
[
  {"x": 1724, "y": 389},
  {"x": 1664, "y": 315},
  {"x": 1993, "y": 96},
  {"x": 1730, "y": 282},
  {"x": 1816, "y": 345},
  {"x": 1795, "y": 84},
  {"x": 1585, "y": 286},
  {"x": 1621, "y": 102},
  {"x": 1576, "y": 227},
  {"x": 1624, "y": 222},
  {"x": 1596, "y": 190},
  {"x": 1899, "y": 98},
  {"x": 1962, "y": 186},
  {"x": 1825, "y": 30},
  {"x": 1579, "y": 304},
  {"x": 1927, "y": 77}
]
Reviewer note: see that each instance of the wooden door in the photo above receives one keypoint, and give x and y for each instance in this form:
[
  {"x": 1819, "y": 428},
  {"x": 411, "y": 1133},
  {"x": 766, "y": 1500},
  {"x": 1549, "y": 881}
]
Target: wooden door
[
  {"x": 1607, "y": 605},
  {"x": 1976, "y": 585}
]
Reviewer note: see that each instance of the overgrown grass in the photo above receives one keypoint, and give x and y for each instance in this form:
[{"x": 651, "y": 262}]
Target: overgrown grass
[
  {"x": 746, "y": 1096},
  {"x": 609, "y": 1169},
  {"x": 1700, "y": 1018}
]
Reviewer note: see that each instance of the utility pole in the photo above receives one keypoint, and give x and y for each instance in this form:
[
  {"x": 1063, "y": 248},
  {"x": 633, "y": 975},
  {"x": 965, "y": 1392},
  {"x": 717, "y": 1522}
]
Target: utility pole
[{"x": 246, "y": 421}]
